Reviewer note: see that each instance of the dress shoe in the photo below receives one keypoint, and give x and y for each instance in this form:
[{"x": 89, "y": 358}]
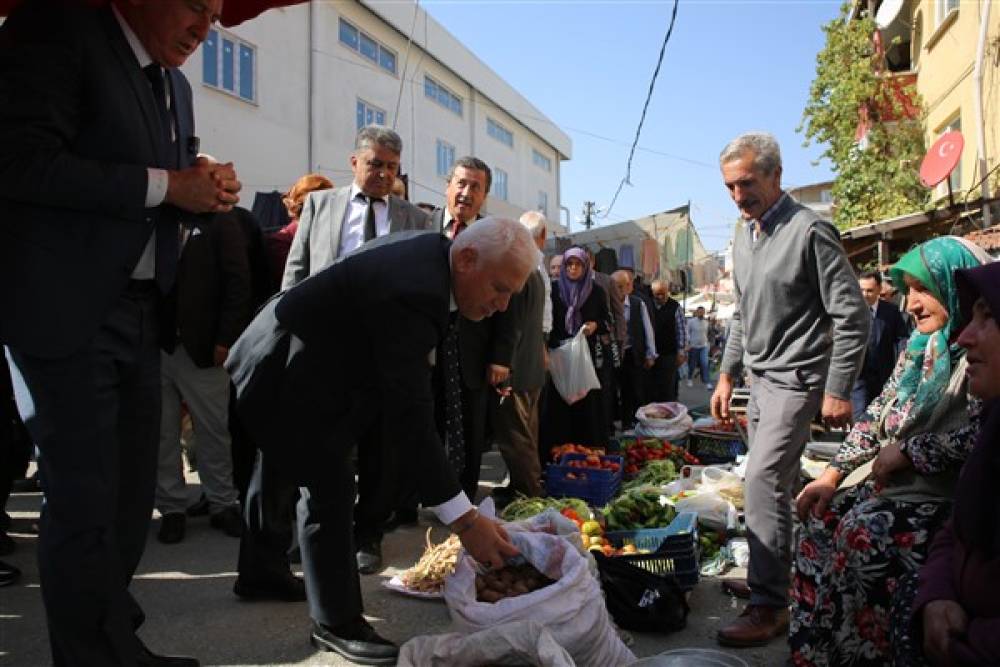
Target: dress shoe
[
  {"x": 146, "y": 658},
  {"x": 172, "y": 525},
  {"x": 369, "y": 557},
  {"x": 756, "y": 626},
  {"x": 7, "y": 544},
  {"x": 400, "y": 518},
  {"x": 200, "y": 508},
  {"x": 228, "y": 521},
  {"x": 26, "y": 485},
  {"x": 8, "y": 574},
  {"x": 737, "y": 587},
  {"x": 288, "y": 588},
  {"x": 357, "y": 641}
]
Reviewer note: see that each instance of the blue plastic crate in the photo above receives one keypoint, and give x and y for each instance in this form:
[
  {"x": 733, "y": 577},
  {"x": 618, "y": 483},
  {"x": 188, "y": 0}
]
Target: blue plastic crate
[
  {"x": 595, "y": 486},
  {"x": 674, "y": 549}
]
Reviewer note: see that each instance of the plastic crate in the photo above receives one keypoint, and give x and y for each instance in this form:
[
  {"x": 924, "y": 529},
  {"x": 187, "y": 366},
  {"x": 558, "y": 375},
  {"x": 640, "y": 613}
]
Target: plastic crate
[
  {"x": 674, "y": 549},
  {"x": 706, "y": 447},
  {"x": 597, "y": 487}
]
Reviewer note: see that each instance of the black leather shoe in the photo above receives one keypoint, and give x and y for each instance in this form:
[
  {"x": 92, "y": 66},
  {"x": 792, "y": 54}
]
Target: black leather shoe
[
  {"x": 357, "y": 641},
  {"x": 8, "y": 574},
  {"x": 228, "y": 521},
  {"x": 288, "y": 588},
  {"x": 369, "y": 557},
  {"x": 200, "y": 508},
  {"x": 401, "y": 518},
  {"x": 172, "y": 525},
  {"x": 7, "y": 544},
  {"x": 146, "y": 658}
]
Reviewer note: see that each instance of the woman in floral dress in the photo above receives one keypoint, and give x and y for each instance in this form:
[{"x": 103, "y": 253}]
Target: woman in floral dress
[{"x": 896, "y": 472}]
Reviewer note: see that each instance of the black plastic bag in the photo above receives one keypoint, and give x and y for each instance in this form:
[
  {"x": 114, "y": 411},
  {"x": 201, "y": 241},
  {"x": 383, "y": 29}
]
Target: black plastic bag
[{"x": 640, "y": 600}]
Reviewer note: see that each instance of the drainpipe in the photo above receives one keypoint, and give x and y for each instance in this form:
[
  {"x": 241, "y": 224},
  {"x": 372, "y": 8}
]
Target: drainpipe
[
  {"x": 977, "y": 87},
  {"x": 312, "y": 96},
  {"x": 566, "y": 211}
]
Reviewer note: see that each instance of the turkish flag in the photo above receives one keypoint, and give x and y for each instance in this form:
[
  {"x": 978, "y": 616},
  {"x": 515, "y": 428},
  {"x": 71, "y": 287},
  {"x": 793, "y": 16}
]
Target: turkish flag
[{"x": 234, "y": 12}]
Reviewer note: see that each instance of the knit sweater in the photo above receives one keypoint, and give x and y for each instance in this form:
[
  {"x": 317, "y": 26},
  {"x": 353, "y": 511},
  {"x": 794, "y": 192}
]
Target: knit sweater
[{"x": 798, "y": 304}]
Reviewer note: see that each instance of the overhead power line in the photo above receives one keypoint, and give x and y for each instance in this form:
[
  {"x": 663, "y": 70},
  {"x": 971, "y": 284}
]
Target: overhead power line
[{"x": 645, "y": 107}]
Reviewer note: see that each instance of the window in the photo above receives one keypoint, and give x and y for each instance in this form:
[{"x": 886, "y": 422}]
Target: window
[
  {"x": 368, "y": 47},
  {"x": 826, "y": 196},
  {"x": 369, "y": 115},
  {"x": 229, "y": 64},
  {"x": 942, "y": 8},
  {"x": 499, "y": 132},
  {"x": 540, "y": 160},
  {"x": 543, "y": 202},
  {"x": 500, "y": 184},
  {"x": 441, "y": 95},
  {"x": 956, "y": 176},
  {"x": 445, "y": 158}
]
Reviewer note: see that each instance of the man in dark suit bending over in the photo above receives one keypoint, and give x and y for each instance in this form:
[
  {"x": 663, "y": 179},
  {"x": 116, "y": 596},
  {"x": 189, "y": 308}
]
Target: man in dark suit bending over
[
  {"x": 306, "y": 401},
  {"x": 97, "y": 166}
]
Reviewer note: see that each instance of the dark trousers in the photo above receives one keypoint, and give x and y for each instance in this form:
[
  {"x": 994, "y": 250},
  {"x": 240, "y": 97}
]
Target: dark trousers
[
  {"x": 95, "y": 418},
  {"x": 377, "y": 492},
  {"x": 607, "y": 375},
  {"x": 663, "y": 378},
  {"x": 474, "y": 402},
  {"x": 632, "y": 386},
  {"x": 268, "y": 511}
]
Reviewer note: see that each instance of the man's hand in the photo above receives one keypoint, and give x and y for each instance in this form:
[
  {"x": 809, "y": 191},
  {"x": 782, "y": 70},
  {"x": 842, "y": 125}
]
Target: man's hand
[
  {"x": 816, "y": 496},
  {"x": 198, "y": 189},
  {"x": 487, "y": 542},
  {"x": 836, "y": 411},
  {"x": 681, "y": 358},
  {"x": 220, "y": 354},
  {"x": 721, "y": 396},
  {"x": 497, "y": 374},
  {"x": 890, "y": 460},
  {"x": 648, "y": 363},
  {"x": 943, "y": 619}
]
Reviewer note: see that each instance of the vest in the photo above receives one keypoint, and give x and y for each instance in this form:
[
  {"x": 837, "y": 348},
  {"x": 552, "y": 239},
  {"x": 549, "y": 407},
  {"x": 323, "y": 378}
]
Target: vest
[{"x": 665, "y": 327}]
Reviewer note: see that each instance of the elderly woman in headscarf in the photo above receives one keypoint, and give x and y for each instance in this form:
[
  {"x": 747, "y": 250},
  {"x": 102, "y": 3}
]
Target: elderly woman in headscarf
[
  {"x": 577, "y": 303},
  {"x": 896, "y": 474},
  {"x": 956, "y": 615}
]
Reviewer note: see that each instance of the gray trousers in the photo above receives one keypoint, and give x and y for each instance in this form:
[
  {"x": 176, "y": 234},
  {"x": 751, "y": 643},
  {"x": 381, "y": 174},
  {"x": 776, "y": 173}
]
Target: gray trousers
[
  {"x": 515, "y": 430},
  {"x": 206, "y": 392},
  {"x": 781, "y": 406}
]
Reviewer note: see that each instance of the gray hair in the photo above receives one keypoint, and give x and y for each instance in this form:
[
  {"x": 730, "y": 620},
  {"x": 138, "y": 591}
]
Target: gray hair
[
  {"x": 659, "y": 283},
  {"x": 534, "y": 222},
  {"x": 499, "y": 240},
  {"x": 474, "y": 163},
  {"x": 763, "y": 145},
  {"x": 376, "y": 135}
]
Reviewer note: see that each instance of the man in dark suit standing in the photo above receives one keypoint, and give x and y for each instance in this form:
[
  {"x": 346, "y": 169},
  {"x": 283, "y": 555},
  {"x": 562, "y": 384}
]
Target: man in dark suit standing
[
  {"x": 97, "y": 164},
  {"x": 886, "y": 338},
  {"x": 638, "y": 351},
  {"x": 308, "y": 403},
  {"x": 669, "y": 328}
]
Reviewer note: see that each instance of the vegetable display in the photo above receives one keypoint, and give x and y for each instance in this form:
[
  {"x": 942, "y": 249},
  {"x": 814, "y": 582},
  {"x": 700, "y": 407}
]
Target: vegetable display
[
  {"x": 437, "y": 562},
  {"x": 637, "y": 508},
  {"x": 655, "y": 473},
  {"x": 640, "y": 452},
  {"x": 524, "y": 508},
  {"x": 509, "y": 582},
  {"x": 560, "y": 451}
]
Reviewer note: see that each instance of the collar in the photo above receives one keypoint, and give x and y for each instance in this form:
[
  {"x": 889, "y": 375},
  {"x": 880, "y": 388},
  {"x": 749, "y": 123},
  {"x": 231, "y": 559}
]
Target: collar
[
  {"x": 133, "y": 40},
  {"x": 765, "y": 219},
  {"x": 355, "y": 191}
]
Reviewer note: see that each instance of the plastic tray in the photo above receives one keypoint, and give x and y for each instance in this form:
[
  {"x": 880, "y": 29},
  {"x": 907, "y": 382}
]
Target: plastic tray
[
  {"x": 598, "y": 487},
  {"x": 732, "y": 444},
  {"x": 674, "y": 549}
]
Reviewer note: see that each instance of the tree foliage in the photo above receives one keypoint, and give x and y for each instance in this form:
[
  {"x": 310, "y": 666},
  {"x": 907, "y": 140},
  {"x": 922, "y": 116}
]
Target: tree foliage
[{"x": 877, "y": 178}]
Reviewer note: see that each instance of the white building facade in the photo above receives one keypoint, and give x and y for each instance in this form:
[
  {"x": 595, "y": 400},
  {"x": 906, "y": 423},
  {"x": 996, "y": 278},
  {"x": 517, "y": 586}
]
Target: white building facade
[{"x": 284, "y": 95}]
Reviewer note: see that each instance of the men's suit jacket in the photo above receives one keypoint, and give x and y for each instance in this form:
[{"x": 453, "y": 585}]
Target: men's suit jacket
[
  {"x": 213, "y": 292},
  {"x": 518, "y": 341},
  {"x": 78, "y": 128},
  {"x": 306, "y": 383},
  {"x": 317, "y": 241},
  {"x": 616, "y": 309},
  {"x": 888, "y": 333}
]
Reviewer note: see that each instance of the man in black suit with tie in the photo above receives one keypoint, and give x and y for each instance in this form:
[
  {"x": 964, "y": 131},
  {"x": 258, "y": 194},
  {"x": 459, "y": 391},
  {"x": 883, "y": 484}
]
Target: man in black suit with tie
[
  {"x": 97, "y": 164},
  {"x": 885, "y": 341},
  {"x": 308, "y": 389}
]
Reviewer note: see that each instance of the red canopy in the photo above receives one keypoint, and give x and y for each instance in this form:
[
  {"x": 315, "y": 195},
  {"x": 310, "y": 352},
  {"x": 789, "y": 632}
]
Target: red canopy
[{"x": 234, "y": 12}]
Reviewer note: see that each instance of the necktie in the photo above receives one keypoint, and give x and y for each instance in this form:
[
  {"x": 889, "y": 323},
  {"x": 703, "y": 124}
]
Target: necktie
[
  {"x": 155, "y": 75},
  {"x": 454, "y": 439},
  {"x": 370, "y": 231},
  {"x": 456, "y": 229},
  {"x": 166, "y": 226}
]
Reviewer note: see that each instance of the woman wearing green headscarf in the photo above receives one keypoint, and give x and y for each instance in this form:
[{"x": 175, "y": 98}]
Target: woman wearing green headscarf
[{"x": 868, "y": 520}]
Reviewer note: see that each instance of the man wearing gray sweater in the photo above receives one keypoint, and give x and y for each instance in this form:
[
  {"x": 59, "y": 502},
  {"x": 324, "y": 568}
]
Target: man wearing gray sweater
[{"x": 800, "y": 329}]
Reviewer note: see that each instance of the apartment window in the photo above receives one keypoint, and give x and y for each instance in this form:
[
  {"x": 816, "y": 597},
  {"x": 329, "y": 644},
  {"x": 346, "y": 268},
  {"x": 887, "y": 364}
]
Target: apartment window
[
  {"x": 499, "y": 132},
  {"x": 445, "y": 158},
  {"x": 826, "y": 196},
  {"x": 229, "y": 64},
  {"x": 540, "y": 160},
  {"x": 956, "y": 176},
  {"x": 369, "y": 114},
  {"x": 500, "y": 184},
  {"x": 367, "y": 46},
  {"x": 441, "y": 95},
  {"x": 942, "y": 8},
  {"x": 543, "y": 202}
]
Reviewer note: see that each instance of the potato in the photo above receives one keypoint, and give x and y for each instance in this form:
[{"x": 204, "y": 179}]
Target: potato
[
  {"x": 480, "y": 584},
  {"x": 489, "y": 595},
  {"x": 520, "y": 588}
]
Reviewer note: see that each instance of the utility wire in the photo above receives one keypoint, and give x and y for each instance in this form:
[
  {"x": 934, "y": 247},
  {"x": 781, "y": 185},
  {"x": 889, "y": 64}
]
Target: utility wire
[
  {"x": 406, "y": 63},
  {"x": 645, "y": 107}
]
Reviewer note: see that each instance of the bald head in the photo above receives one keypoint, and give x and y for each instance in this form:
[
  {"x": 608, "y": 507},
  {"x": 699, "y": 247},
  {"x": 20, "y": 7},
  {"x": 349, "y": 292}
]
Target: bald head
[{"x": 623, "y": 279}]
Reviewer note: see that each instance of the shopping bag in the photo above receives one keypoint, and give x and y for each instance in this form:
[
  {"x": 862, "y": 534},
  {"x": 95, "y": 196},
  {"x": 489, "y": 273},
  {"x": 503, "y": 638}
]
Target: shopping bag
[
  {"x": 640, "y": 600},
  {"x": 516, "y": 643},
  {"x": 572, "y": 369},
  {"x": 673, "y": 427}
]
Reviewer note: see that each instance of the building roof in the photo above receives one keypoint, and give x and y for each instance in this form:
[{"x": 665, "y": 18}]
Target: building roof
[
  {"x": 988, "y": 239},
  {"x": 442, "y": 45}
]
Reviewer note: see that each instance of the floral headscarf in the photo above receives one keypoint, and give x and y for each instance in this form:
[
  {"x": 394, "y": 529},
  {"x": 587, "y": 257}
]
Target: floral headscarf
[{"x": 574, "y": 293}]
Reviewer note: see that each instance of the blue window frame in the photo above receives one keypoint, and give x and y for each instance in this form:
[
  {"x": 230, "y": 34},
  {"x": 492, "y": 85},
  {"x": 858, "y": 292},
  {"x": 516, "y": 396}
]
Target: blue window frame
[
  {"x": 246, "y": 72},
  {"x": 442, "y": 95},
  {"x": 499, "y": 132},
  {"x": 368, "y": 114},
  {"x": 386, "y": 59},
  {"x": 367, "y": 46},
  {"x": 210, "y": 59},
  {"x": 228, "y": 64},
  {"x": 541, "y": 160},
  {"x": 445, "y": 158},
  {"x": 500, "y": 184},
  {"x": 348, "y": 35}
]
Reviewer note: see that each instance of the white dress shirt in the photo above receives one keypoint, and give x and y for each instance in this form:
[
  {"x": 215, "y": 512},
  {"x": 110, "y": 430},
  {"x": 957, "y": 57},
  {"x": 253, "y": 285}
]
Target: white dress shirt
[{"x": 352, "y": 234}]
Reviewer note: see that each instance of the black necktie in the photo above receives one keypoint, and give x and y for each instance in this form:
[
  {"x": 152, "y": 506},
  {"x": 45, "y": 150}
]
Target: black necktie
[
  {"x": 370, "y": 231},
  {"x": 155, "y": 75},
  {"x": 167, "y": 246},
  {"x": 454, "y": 437}
]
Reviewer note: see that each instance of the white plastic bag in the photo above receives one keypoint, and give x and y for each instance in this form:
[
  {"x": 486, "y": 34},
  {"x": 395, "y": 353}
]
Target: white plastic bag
[
  {"x": 571, "y": 609},
  {"x": 517, "y": 643},
  {"x": 672, "y": 428},
  {"x": 714, "y": 511},
  {"x": 572, "y": 369},
  {"x": 725, "y": 483}
]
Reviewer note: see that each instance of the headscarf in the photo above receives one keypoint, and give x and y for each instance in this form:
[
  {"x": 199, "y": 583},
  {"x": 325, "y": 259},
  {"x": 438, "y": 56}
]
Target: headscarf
[
  {"x": 574, "y": 293},
  {"x": 931, "y": 358}
]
